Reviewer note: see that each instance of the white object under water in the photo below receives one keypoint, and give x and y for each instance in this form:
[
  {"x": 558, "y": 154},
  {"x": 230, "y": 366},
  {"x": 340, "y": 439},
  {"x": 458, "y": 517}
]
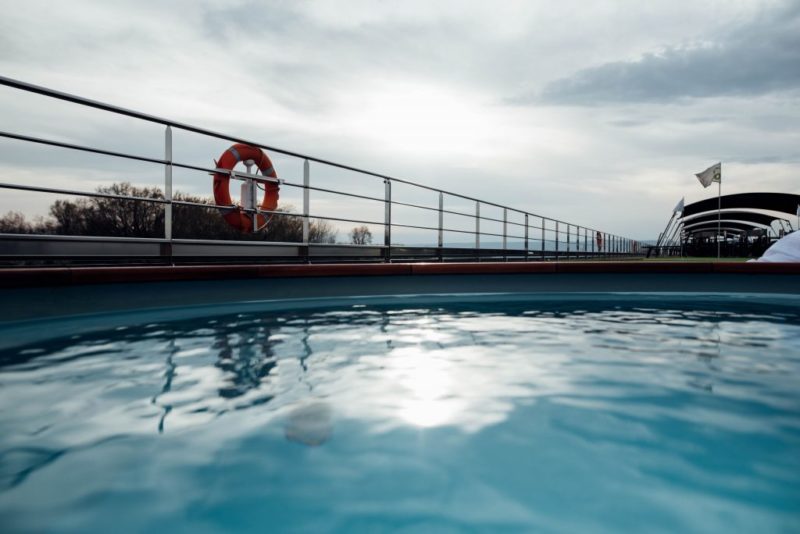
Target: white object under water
[
  {"x": 310, "y": 423},
  {"x": 786, "y": 249}
]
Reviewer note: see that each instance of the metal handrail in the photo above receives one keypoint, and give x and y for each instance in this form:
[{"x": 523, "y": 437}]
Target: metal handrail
[
  {"x": 17, "y": 84},
  {"x": 221, "y": 207},
  {"x": 613, "y": 244},
  {"x": 242, "y": 176}
]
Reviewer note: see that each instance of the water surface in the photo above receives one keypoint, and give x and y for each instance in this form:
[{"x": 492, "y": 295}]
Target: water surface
[{"x": 576, "y": 415}]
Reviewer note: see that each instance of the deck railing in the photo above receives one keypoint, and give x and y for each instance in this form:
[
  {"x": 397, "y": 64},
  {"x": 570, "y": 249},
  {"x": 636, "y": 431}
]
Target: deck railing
[{"x": 539, "y": 237}]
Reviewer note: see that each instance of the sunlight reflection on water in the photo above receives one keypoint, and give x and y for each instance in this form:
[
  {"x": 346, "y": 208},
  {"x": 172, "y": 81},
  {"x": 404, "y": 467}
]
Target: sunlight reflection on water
[{"x": 697, "y": 403}]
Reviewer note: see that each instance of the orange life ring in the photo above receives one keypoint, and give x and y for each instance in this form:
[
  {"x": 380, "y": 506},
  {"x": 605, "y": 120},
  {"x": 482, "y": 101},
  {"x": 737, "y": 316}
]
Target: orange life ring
[{"x": 235, "y": 216}]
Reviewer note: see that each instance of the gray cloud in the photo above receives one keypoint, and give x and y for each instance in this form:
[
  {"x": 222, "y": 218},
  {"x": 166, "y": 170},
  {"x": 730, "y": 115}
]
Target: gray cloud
[
  {"x": 334, "y": 82},
  {"x": 757, "y": 58}
]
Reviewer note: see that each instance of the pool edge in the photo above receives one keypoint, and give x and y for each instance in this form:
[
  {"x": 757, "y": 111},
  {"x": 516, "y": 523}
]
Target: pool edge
[{"x": 68, "y": 276}]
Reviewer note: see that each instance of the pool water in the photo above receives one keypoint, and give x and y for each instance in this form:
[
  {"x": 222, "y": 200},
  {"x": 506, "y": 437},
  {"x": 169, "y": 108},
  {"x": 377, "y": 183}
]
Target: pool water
[{"x": 594, "y": 413}]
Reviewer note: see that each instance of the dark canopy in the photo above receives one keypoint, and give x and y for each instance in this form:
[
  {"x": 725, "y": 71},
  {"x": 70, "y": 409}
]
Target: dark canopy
[
  {"x": 780, "y": 202},
  {"x": 733, "y": 215},
  {"x": 726, "y": 225}
]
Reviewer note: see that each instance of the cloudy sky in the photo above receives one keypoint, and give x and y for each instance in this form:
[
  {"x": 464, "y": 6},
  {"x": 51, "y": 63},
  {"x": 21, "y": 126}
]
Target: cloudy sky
[{"x": 597, "y": 113}]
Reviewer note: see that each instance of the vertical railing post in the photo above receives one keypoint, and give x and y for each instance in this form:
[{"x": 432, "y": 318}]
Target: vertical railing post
[
  {"x": 167, "y": 248},
  {"x": 586, "y": 243},
  {"x": 526, "y": 236},
  {"x": 306, "y": 202},
  {"x": 505, "y": 228},
  {"x": 569, "y": 246},
  {"x": 543, "y": 238},
  {"x": 168, "y": 183},
  {"x": 440, "y": 241},
  {"x": 556, "y": 240},
  {"x": 477, "y": 225},
  {"x": 387, "y": 221}
]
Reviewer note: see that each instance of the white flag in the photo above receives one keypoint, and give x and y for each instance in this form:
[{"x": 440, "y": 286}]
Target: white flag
[
  {"x": 679, "y": 207},
  {"x": 710, "y": 175}
]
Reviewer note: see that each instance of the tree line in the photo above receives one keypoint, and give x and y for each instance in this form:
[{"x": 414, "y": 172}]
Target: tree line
[{"x": 115, "y": 217}]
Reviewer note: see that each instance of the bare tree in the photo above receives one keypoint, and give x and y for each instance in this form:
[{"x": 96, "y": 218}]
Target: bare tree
[
  {"x": 360, "y": 235},
  {"x": 103, "y": 216},
  {"x": 14, "y": 222}
]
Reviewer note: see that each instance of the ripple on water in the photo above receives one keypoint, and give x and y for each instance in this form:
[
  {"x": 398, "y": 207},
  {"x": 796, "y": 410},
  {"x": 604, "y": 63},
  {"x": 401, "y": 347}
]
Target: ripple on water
[{"x": 681, "y": 415}]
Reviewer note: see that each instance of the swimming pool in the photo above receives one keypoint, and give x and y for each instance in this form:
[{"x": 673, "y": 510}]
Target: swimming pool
[{"x": 496, "y": 412}]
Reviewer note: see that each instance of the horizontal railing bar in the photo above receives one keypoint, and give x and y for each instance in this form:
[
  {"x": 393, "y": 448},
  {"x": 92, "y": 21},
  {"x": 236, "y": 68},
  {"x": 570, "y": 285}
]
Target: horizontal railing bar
[
  {"x": 40, "y": 189},
  {"x": 366, "y": 197},
  {"x": 262, "y": 244},
  {"x": 71, "y": 146},
  {"x": 273, "y": 212},
  {"x": 410, "y": 205},
  {"x": 237, "y": 175},
  {"x": 17, "y": 84},
  {"x": 245, "y": 210},
  {"x": 472, "y": 232},
  {"x": 66, "y": 237},
  {"x": 268, "y": 243},
  {"x": 260, "y": 211},
  {"x": 216, "y": 206},
  {"x": 331, "y": 218},
  {"x": 244, "y": 176},
  {"x": 231, "y": 242},
  {"x": 376, "y": 199},
  {"x": 60, "y": 144},
  {"x": 24, "y": 86},
  {"x": 344, "y": 193},
  {"x": 161, "y": 240},
  {"x": 395, "y": 202}
]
